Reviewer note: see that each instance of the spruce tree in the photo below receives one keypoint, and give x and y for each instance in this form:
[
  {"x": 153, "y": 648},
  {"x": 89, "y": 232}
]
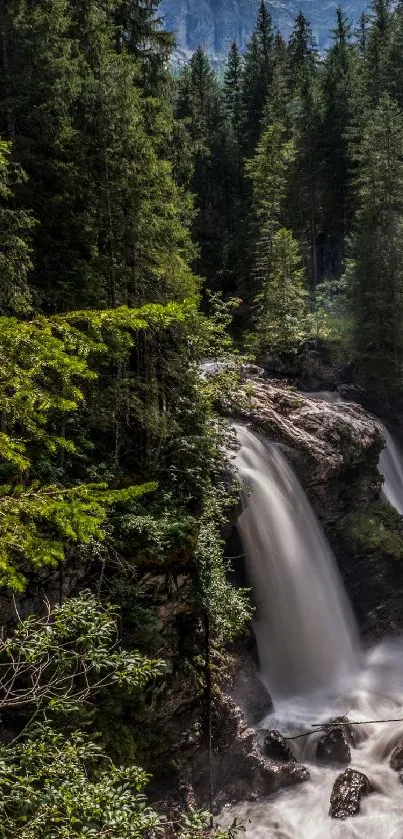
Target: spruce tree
[
  {"x": 257, "y": 78},
  {"x": 201, "y": 104},
  {"x": 302, "y": 52},
  {"x": 304, "y": 200},
  {"x": 278, "y": 289},
  {"x": 232, "y": 90},
  {"x": 337, "y": 81},
  {"x": 377, "y": 51},
  {"x": 376, "y": 270}
]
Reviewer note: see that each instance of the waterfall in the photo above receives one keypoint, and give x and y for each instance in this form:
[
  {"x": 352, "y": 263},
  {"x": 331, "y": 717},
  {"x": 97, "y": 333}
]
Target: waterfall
[
  {"x": 309, "y": 656},
  {"x": 304, "y": 626},
  {"x": 391, "y": 467}
]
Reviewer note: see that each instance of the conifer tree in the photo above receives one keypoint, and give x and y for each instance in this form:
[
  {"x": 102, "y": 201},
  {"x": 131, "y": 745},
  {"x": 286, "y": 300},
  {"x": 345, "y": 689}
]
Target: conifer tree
[
  {"x": 201, "y": 104},
  {"x": 305, "y": 175},
  {"x": 257, "y": 78},
  {"x": 232, "y": 90},
  {"x": 376, "y": 270},
  {"x": 376, "y": 51},
  {"x": 112, "y": 224},
  {"x": 277, "y": 275},
  {"x": 302, "y": 52},
  {"x": 15, "y": 253},
  {"x": 338, "y": 79}
]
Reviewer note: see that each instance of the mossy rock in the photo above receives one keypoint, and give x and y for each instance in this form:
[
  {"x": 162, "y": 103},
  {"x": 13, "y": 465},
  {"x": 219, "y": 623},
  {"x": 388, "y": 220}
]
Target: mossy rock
[
  {"x": 378, "y": 528},
  {"x": 369, "y": 546}
]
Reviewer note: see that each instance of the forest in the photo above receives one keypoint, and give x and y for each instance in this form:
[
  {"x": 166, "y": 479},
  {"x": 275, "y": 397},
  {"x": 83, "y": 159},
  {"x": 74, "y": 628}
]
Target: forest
[{"x": 153, "y": 218}]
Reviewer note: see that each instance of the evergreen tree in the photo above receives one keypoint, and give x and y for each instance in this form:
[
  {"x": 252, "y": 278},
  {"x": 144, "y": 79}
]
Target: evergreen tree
[
  {"x": 302, "y": 52},
  {"x": 15, "y": 254},
  {"x": 112, "y": 223},
  {"x": 395, "y": 56},
  {"x": 376, "y": 271},
  {"x": 377, "y": 50},
  {"x": 257, "y": 78},
  {"x": 232, "y": 90},
  {"x": 201, "y": 104},
  {"x": 338, "y": 79},
  {"x": 277, "y": 274}
]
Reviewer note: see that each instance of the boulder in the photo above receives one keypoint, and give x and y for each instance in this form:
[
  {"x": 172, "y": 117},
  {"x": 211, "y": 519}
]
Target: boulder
[
  {"x": 275, "y": 747},
  {"x": 348, "y": 789},
  {"x": 396, "y": 758},
  {"x": 249, "y": 692},
  {"x": 334, "y": 745},
  {"x": 239, "y": 771}
]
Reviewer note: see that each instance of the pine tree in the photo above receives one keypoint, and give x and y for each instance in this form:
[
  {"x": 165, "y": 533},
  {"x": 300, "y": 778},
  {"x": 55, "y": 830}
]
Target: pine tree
[
  {"x": 232, "y": 90},
  {"x": 302, "y": 52},
  {"x": 338, "y": 79},
  {"x": 277, "y": 276},
  {"x": 15, "y": 253},
  {"x": 376, "y": 271},
  {"x": 377, "y": 50},
  {"x": 257, "y": 78},
  {"x": 201, "y": 104}
]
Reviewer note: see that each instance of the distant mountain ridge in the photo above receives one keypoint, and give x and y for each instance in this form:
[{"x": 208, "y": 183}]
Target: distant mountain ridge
[{"x": 214, "y": 24}]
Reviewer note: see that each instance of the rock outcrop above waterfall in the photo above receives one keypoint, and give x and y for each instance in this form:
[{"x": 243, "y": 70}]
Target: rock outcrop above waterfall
[
  {"x": 334, "y": 447},
  {"x": 348, "y": 790}
]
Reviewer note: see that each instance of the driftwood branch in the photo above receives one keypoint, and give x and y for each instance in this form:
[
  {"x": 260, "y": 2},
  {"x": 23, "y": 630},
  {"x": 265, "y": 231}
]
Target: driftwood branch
[{"x": 317, "y": 727}]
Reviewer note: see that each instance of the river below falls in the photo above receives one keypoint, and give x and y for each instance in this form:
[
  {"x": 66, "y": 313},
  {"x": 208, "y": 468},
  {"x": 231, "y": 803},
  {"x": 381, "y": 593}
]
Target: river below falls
[{"x": 302, "y": 812}]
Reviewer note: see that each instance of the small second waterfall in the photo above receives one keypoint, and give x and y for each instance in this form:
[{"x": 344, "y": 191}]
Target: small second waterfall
[
  {"x": 391, "y": 467},
  {"x": 304, "y": 626}
]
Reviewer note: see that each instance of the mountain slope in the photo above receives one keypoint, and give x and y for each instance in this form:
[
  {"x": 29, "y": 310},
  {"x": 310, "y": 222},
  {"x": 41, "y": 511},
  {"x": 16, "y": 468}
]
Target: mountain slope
[{"x": 214, "y": 24}]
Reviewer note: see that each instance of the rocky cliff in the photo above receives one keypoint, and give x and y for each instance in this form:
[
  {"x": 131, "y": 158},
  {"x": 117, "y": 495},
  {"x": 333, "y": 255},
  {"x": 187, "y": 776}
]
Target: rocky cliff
[{"x": 214, "y": 24}]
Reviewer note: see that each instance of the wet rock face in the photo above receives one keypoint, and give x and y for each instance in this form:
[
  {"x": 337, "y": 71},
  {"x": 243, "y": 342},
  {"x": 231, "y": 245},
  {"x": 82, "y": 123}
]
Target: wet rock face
[
  {"x": 396, "y": 758},
  {"x": 251, "y": 695},
  {"x": 348, "y": 789},
  {"x": 334, "y": 746},
  {"x": 275, "y": 747},
  {"x": 239, "y": 770}
]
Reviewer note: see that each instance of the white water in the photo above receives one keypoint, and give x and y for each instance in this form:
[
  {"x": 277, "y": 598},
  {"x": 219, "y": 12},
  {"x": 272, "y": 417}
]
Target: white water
[
  {"x": 391, "y": 467},
  {"x": 309, "y": 659},
  {"x": 305, "y": 630}
]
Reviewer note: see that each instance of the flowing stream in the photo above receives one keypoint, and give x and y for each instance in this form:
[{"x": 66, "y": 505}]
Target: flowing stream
[{"x": 310, "y": 657}]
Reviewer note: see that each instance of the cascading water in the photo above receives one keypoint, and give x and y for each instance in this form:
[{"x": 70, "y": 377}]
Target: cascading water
[
  {"x": 305, "y": 630},
  {"x": 307, "y": 647},
  {"x": 391, "y": 467}
]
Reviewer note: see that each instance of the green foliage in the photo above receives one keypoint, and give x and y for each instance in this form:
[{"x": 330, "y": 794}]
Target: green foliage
[
  {"x": 281, "y": 322},
  {"x": 40, "y": 525},
  {"x": 375, "y": 530},
  {"x": 57, "y": 663},
  {"x": 15, "y": 253},
  {"x": 228, "y": 608},
  {"x": 375, "y": 274},
  {"x": 53, "y": 787}
]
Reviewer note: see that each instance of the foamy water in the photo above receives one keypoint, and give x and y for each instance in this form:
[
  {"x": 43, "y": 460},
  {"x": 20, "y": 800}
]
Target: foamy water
[{"x": 302, "y": 812}]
